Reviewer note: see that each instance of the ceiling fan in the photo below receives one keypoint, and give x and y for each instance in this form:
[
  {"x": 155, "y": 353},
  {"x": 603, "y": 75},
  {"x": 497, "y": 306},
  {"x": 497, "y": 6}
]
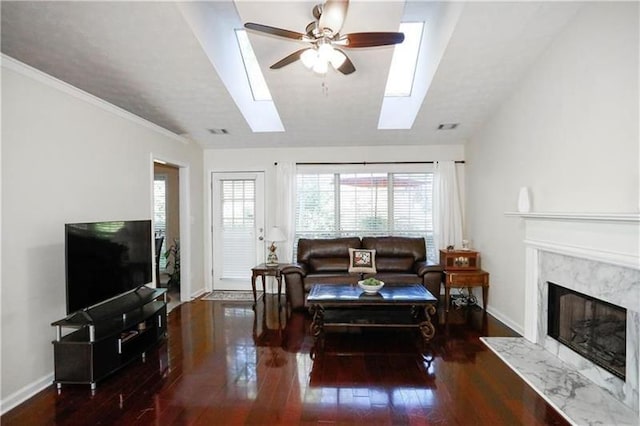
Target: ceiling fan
[{"x": 324, "y": 39}]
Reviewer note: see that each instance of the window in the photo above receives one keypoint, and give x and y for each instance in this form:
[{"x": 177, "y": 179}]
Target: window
[
  {"x": 333, "y": 205},
  {"x": 160, "y": 210},
  {"x": 237, "y": 201},
  {"x": 404, "y": 61},
  {"x": 259, "y": 88}
]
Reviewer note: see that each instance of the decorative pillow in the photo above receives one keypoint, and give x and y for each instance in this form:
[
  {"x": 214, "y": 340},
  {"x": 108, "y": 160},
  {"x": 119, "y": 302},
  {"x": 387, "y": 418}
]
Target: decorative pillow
[{"x": 362, "y": 260}]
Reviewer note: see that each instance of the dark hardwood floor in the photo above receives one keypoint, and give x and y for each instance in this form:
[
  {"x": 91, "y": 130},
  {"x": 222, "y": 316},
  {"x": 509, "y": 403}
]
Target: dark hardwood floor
[{"x": 224, "y": 364}]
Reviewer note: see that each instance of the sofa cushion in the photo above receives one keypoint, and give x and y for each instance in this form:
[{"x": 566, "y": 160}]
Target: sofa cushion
[
  {"x": 309, "y": 248},
  {"x": 362, "y": 260},
  {"x": 395, "y": 264},
  {"x": 396, "y": 247},
  {"x": 329, "y": 264}
]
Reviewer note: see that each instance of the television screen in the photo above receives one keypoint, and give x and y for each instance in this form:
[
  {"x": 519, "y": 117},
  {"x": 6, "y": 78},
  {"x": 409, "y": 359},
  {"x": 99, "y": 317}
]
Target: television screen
[{"x": 104, "y": 259}]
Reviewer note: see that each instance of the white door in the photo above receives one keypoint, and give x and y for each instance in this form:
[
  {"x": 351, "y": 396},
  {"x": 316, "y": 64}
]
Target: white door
[{"x": 238, "y": 228}]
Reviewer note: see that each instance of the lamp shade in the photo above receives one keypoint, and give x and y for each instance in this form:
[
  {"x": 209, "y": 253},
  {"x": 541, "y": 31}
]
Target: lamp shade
[{"x": 275, "y": 234}]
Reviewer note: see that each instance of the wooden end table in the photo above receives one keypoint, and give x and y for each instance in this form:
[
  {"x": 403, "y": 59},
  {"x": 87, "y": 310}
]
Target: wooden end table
[
  {"x": 266, "y": 270},
  {"x": 469, "y": 279}
]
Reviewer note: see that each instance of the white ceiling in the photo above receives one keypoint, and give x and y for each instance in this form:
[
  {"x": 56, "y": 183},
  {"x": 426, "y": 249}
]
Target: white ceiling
[{"x": 145, "y": 58}]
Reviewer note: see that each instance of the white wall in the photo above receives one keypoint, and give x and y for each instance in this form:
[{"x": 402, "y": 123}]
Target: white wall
[
  {"x": 229, "y": 160},
  {"x": 569, "y": 132},
  {"x": 67, "y": 157}
]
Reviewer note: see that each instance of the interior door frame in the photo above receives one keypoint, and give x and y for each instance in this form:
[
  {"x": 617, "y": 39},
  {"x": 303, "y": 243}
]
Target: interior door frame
[
  {"x": 184, "y": 201},
  {"x": 260, "y": 176}
]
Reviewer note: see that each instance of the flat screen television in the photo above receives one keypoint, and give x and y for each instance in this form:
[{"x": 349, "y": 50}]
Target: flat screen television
[{"x": 105, "y": 259}]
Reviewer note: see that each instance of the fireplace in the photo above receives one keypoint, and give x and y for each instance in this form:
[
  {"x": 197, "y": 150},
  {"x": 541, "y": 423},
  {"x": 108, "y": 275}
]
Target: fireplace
[
  {"x": 597, "y": 255},
  {"x": 589, "y": 326},
  {"x": 596, "y": 259}
]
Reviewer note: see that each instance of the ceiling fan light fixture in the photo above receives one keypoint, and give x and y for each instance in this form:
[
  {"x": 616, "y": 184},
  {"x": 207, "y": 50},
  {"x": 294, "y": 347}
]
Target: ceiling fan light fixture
[
  {"x": 318, "y": 58},
  {"x": 309, "y": 58},
  {"x": 320, "y": 67},
  {"x": 337, "y": 58},
  {"x": 324, "y": 52}
]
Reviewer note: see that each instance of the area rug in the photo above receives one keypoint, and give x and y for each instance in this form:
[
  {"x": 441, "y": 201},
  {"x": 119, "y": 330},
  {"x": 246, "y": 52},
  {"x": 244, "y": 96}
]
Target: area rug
[{"x": 232, "y": 295}]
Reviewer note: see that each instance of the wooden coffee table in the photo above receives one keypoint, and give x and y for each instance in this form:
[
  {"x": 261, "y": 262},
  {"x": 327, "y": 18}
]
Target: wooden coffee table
[{"x": 346, "y": 305}]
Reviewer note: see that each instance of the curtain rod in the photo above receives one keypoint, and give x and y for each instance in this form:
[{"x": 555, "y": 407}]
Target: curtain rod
[{"x": 364, "y": 163}]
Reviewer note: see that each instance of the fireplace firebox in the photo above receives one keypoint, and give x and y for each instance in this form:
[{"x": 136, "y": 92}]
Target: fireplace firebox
[{"x": 591, "y": 327}]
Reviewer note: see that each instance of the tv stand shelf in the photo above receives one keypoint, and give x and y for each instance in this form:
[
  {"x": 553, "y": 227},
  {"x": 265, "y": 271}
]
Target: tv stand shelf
[{"x": 108, "y": 336}]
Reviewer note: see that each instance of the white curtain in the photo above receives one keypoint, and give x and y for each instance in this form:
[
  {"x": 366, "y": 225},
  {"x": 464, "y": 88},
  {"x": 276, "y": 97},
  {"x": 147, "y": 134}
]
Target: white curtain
[
  {"x": 285, "y": 210},
  {"x": 447, "y": 208}
]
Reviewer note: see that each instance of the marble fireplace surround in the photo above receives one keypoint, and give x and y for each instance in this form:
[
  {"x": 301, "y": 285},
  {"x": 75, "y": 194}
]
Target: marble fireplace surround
[{"x": 595, "y": 254}]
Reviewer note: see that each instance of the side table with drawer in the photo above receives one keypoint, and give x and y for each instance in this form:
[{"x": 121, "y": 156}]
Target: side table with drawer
[
  {"x": 469, "y": 279},
  {"x": 462, "y": 269}
]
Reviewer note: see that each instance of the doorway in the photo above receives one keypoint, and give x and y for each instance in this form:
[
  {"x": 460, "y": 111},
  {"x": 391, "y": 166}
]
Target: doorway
[
  {"x": 166, "y": 214},
  {"x": 238, "y": 228}
]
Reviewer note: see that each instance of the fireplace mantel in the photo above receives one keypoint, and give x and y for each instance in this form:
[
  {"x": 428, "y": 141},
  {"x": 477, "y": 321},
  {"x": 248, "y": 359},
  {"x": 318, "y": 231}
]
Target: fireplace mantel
[
  {"x": 597, "y": 254},
  {"x": 612, "y": 238},
  {"x": 600, "y": 217}
]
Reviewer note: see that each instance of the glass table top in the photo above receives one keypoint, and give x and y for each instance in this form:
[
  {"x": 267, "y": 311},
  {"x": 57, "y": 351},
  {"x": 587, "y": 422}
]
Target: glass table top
[{"x": 390, "y": 293}]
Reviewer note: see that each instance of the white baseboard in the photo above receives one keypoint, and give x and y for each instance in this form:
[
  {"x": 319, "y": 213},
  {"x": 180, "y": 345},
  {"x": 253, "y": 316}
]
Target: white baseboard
[
  {"x": 506, "y": 321},
  {"x": 25, "y": 393},
  {"x": 198, "y": 294}
]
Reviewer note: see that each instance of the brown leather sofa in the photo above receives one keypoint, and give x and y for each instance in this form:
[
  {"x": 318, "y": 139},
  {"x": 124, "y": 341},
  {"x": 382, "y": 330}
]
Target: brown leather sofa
[{"x": 398, "y": 260}]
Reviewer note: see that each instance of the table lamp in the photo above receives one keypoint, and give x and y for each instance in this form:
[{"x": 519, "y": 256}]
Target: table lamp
[{"x": 275, "y": 235}]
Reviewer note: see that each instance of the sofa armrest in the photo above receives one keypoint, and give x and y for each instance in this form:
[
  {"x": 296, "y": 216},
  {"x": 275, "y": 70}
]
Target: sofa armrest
[
  {"x": 294, "y": 274},
  {"x": 422, "y": 268},
  {"x": 431, "y": 275},
  {"x": 294, "y": 268}
]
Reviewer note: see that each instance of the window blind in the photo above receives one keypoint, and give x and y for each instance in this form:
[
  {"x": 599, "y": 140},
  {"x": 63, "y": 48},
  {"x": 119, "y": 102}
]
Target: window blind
[
  {"x": 365, "y": 204},
  {"x": 160, "y": 212},
  {"x": 238, "y": 227}
]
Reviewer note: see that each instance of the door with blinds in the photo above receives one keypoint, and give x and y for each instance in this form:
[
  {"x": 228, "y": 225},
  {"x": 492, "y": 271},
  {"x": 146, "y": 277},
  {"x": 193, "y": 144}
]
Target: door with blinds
[{"x": 238, "y": 228}]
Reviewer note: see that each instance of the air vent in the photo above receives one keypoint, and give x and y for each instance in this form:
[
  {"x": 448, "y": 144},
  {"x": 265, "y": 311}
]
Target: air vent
[
  {"x": 448, "y": 126},
  {"x": 218, "y": 131}
]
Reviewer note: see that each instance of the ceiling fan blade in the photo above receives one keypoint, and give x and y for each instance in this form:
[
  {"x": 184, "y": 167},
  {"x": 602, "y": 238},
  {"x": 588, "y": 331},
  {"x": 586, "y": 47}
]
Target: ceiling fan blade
[
  {"x": 288, "y": 59},
  {"x": 333, "y": 15},
  {"x": 347, "y": 66},
  {"x": 276, "y": 31},
  {"x": 354, "y": 40}
]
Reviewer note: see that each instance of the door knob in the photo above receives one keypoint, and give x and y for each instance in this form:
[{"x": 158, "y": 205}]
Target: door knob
[{"x": 261, "y": 238}]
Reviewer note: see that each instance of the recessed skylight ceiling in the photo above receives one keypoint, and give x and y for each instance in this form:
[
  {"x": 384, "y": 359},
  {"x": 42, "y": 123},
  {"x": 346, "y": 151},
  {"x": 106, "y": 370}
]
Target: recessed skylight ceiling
[
  {"x": 259, "y": 87},
  {"x": 405, "y": 58},
  {"x": 439, "y": 20},
  {"x": 213, "y": 24}
]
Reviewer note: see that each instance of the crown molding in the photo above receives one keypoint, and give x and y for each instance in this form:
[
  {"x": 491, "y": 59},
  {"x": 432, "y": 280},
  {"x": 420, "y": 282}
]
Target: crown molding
[{"x": 7, "y": 62}]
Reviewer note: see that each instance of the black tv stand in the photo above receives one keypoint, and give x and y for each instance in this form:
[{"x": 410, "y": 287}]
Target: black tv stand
[{"x": 108, "y": 336}]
